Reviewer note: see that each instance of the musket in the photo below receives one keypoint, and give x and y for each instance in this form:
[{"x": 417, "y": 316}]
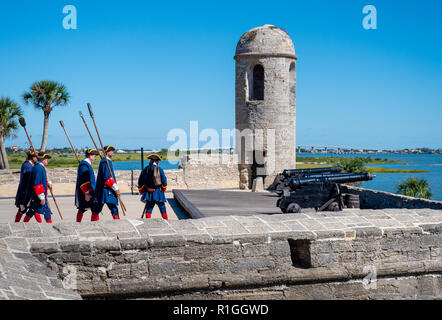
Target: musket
[
  {"x": 90, "y": 134},
  {"x": 23, "y": 124},
  {"x": 72, "y": 147},
  {"x": 123, "y": 207}
]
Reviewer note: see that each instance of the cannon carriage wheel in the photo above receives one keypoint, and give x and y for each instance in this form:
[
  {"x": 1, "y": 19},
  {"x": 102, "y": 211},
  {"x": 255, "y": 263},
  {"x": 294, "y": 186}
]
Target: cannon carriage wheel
[{"x": 293, "y": 208}]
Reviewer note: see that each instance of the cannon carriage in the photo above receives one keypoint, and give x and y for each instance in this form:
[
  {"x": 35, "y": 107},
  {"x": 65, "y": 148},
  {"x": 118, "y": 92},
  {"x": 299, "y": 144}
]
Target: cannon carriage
[{"x": 317, "y": 188}]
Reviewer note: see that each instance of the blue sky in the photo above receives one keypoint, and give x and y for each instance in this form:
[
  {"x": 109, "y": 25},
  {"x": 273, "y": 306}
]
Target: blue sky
[{"x": 148, "y": 67}]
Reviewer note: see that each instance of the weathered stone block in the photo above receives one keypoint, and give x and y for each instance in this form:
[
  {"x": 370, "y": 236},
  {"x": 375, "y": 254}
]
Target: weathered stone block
[
  {"x": 432, "y": 228},
  {"x": 66, "y": 228},
  {"x": 254, "y": 250},
  {"x": 132, "y": 244},
  {"x": 5, "y": 230},
  {"x": 165, "y": 267},
  {"x": 251, "y": 264},
  {"x": 160, "y": 252},
  {"x": 119, "y": 271},
  {"x": 45, "y": 247},
  {"x": 139, "y": 270},
  {"x": 17, "y": 244},
  {"x": 213, "y": 265},
  {"x": 135, "y": 257},
  {"x": 65, "y": 257},
  {"x": 168, "y": 241},
  {"x": 196, "y": 239},
  {"x": 75, "y": 246},
  {"x": 334, "y": 234},
  {"x": 98, "y": 260},
  {"x": 106, "y": 245},
  {"x": 368, "y": 232}
]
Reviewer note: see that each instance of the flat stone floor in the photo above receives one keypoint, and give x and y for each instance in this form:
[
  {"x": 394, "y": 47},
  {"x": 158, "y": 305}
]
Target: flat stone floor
[
  {"x": 219, "y": 204},
  {"x": 66, "y": 203},
  {"x": 210, "y": 203}
]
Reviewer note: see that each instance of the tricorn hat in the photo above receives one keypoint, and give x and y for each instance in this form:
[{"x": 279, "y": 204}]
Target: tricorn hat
[
  {"x": 109, "y": 148},
  {"x": 92, "y": 152},
  {"x": 154, "y": 156},
  {"x": 43, "y": 155},
  {"x": 31, "y": 153}
]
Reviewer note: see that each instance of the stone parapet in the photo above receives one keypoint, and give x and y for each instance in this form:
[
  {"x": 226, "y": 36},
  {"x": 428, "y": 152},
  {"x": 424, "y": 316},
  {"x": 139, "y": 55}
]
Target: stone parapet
[
  {"x": 236, "y": 256},
  {"x": 375, "y": 199},
  {"x": 22, "y": 275}
]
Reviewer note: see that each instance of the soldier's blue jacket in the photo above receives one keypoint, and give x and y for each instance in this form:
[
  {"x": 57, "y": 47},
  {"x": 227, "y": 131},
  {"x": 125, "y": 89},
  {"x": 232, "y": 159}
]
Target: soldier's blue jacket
[
  {"x": 147, "y": 188},
  {"x": 39, "y": 189},
  {"x": 105, "y": 182},
  {"x": 85, "y": 183},
  {"x": 23, "y": 196}
]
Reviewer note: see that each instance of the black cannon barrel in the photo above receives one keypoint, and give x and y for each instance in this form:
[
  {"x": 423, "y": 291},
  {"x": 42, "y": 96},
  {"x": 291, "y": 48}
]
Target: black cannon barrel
[
  {"x": 300, "y": 172},
  {"x": 296, "y": 183},
  {"x": 326, "y": 175}
]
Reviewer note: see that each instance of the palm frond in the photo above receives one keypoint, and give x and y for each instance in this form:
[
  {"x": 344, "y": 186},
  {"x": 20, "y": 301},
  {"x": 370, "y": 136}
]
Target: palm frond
[
  {"x": 414, "y": 187},
  {"x": 46, "y": 95},
  {"x": 10, "y": 111}
]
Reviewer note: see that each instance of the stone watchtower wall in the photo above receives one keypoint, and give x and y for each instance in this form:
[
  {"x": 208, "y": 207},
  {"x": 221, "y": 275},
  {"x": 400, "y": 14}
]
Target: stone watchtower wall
[{"x": 265, "y": 99}]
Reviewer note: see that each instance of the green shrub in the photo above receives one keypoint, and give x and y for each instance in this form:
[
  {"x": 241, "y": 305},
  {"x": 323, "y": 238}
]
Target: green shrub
[
  {"x": 351, "y": 165},
  {"x": 415, "y": 187}
]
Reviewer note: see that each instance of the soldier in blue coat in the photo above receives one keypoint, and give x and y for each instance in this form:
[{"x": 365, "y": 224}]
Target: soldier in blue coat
[
  {"x": 85, "y": 188},
  {"x": 153, "y": 193},
  {"x": 107, "y": 191},
  {"x": 22, "y": 198},
  {"x": 39, "y": 190}
]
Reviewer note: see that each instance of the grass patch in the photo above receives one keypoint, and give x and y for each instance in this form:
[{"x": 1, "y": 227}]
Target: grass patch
[
  {"x": 335, "y": 160},
  {"x": 388, "y": 170},
  {"x": 309, "y": 166},
  {"x": 327, "y": 161},
  {"x": 69, "y": 161}
]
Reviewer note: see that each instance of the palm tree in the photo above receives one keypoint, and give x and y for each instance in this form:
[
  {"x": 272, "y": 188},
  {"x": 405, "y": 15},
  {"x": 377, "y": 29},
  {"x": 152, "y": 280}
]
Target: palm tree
[
  {"x": 414, "y": 187},
  {"x": 46, "y": 95},
  {"x": 9, "y": 111}
]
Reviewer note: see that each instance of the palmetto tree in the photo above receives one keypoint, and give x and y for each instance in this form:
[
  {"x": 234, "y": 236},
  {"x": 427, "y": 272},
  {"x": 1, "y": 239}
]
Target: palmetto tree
[
  {"x": 414, "y": 187},
  {"x": 9, "y": 112},
  {"x": 46, "y": 95}
]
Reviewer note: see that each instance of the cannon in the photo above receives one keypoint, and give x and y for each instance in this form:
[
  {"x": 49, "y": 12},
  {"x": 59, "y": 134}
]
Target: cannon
[
  {"x": 296, "y": 183},
  {"x": 303, "y": 172},
  {"x": 282, "y": 179},
  {"x": 319, "y": 191}
]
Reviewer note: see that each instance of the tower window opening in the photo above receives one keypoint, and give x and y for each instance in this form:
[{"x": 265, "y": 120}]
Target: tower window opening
[
  {"x": 258, "y": 83},
  {"x": 292, "y": 83}
]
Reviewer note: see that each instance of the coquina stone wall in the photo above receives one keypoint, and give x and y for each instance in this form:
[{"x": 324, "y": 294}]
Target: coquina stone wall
[
  {"x": 355, "y": 254},
  {"x": 210, "y": 171},
  {"x": 196, "y": 171},
  {"x": 380, "y": 199}
]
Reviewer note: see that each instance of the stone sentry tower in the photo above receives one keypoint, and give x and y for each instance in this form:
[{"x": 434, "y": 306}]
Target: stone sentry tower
[{"x": 265, "y": 86}]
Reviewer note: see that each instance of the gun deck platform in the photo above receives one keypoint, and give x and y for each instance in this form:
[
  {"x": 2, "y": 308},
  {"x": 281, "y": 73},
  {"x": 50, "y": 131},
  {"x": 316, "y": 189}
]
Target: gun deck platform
[{"x": 209, "y": 203}]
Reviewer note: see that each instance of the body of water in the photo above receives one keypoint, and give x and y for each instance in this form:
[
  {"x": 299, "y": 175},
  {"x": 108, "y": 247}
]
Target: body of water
[
  {"x": 136, "y": 165},
  {"x": 383, "y": 181}
]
